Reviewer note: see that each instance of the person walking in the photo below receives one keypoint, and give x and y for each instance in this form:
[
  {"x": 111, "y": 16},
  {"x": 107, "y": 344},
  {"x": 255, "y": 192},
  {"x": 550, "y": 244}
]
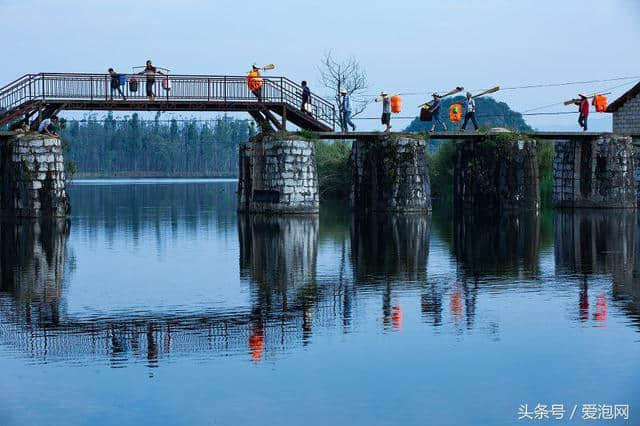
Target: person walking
[
  {"x": 306, "y": 98},
  {"x": 346, "y": 112},
  {"x": 254, "y": 82},
  {"x": 385, "y": 119},
  {"x": 47, "y": 126},
  {"x": 115, "y": 84},
  {"x": 435, "y": 107},
  {"x": 470, "y": 108},
  {"x": 150, "y": 71},
  {"x": 583, "y": 111}
]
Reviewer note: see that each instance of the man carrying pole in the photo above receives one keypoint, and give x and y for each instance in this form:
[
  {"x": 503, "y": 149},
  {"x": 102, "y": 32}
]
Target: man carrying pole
[
  {"x": 435, "y": 106},
  {"x": 583, "y": 111},
  {"x": 385, "y": 119},
  {"x": 470, "y": 108}
]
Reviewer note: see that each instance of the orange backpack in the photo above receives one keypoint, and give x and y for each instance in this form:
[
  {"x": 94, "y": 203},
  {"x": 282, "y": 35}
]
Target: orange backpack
[
  {"x": 396, "y": 104},
  {"x": 600, "y": 102},
  {"x": 254, "y": 81},
  {"x": 455, "y": 113}
]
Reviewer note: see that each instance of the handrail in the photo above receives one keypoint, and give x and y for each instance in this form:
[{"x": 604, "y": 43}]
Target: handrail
[{"x": 200, "y": 88}]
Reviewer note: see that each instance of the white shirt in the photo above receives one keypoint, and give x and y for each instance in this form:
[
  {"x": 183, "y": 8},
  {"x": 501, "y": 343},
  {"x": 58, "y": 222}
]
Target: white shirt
[
  {"x": 43, "y": 124},
  {"x": 471, "y": 105}
]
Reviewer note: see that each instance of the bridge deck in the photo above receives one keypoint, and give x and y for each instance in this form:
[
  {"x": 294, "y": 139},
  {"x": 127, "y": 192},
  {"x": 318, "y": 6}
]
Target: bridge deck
[
  {"x": 47, "y": 93},
  {"x": 472, "y": 135}
]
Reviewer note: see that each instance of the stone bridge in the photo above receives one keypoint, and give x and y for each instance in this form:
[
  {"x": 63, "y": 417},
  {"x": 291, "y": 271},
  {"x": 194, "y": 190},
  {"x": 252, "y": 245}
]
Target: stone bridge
[{"x": 494, "y": 171}]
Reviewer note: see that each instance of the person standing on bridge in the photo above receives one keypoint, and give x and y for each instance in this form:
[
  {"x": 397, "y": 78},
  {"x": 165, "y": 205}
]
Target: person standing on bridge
[
  {"x": 470, "y": 108},
  {"x": 115, "y": 84},
  {"x": 346, "y": 112},
  {"x": 385, "y": 119},
  {"x": 306, "y": 98},
  {"x": 583, "y": 111},
  {"x": 254, "y": 82},
  {"x": 435, "y": 107},
  {"x": 150, "y": 71}
]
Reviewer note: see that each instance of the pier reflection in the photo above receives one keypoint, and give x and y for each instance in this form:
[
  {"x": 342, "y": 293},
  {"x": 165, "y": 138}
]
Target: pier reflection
[
  {"x": 505, "y": 245},
  {"x": 390, "y": 250},
  {"x": 32, "y": 269},
  {"x": 600, "y": 243}
]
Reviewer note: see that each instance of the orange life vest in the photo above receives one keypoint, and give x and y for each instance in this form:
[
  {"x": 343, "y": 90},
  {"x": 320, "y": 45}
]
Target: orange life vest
[
  {"x": 455, "y": 113},
  {"x": 600, "y": 102},
  {"x": 396, "y": 104},
  {"x": 254, "y": 81}
]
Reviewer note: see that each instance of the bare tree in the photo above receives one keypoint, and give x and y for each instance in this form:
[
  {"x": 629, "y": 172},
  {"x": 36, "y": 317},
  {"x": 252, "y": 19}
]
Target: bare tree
[{"x": 346, "y": 74}]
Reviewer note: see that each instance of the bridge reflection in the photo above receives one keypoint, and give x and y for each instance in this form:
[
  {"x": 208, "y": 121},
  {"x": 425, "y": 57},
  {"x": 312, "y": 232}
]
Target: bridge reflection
[
  {"x": 293, "y": 298},
  {"x": 600, "y": 243},
  {"x": 506, "y": 245}
]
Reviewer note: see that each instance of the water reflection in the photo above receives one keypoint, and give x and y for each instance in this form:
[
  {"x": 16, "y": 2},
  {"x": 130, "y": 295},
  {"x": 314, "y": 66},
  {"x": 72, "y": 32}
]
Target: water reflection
[
  {"x": 278, "y": 258},
  {"x": 507, "y": 245},
  {"x": 387, "y": 250},
  {"x": 593, "y": 243},
  {"x": 32, "y": 269}
]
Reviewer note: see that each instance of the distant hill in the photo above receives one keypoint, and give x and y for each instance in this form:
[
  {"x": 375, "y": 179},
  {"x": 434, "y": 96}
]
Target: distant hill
[{"x": 489, "y": 113}]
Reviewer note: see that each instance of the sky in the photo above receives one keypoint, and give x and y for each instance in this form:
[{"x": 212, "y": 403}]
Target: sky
[{"x": 405, "y": 46}]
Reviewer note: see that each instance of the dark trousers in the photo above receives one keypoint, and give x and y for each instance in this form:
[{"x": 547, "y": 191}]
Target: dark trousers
[
  {"x": 150, "y": 83},
  {"x": 470, "y": 116},
  {"x": 113, "y": 89},
  {"x": 258, "y": 94},
  {"x": 582, "y": 121}
]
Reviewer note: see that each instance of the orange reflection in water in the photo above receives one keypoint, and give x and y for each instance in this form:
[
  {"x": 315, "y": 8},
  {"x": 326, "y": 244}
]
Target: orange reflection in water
[
  {"x": 601, "y": 308},
  {"x": 455, "y": 304},
  {"x": 256, "y": 344},
  {"x": 396, "y": 318}
]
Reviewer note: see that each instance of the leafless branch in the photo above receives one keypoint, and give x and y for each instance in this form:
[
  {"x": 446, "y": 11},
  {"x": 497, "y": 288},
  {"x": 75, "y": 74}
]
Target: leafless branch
[{"x": 347, "y": 74}]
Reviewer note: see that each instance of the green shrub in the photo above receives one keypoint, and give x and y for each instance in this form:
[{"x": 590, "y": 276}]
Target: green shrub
[{"x": 334, "y": 170}]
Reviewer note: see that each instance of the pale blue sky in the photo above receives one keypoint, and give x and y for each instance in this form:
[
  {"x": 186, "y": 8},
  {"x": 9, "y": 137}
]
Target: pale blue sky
[{"x": 404, "y": 45}]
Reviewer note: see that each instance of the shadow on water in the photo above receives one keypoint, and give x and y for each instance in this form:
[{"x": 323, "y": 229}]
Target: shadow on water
[{"x": 592, "y": 243}]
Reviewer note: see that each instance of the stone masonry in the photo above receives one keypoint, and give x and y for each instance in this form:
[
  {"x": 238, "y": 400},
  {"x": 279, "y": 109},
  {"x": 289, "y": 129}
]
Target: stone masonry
[
  {"x": 627, "y": 118},
  {"x": 277, "y": 174},
  {"x": 496, "y": 175},
  {"x": 33, "y": 177},
  {"x": 390, "y": 173},
  {"x": 597, "y": 173}
]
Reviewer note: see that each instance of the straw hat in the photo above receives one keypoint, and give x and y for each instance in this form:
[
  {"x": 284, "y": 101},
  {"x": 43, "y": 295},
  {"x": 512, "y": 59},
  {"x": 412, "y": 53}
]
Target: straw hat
[
  {"x": 343, "y": 91},
  {"x": 255, "y": 66},
  {"x": 383, "y": 93}
]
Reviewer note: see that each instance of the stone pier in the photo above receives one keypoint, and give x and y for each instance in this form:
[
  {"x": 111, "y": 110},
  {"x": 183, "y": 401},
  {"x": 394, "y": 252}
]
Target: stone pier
[
  {"x": 33, "y": 177},
  {"x": 596, "y": 173},
  {"x": 496, "y": 174},
  {"x": 390, "y": 174},
  {"x": 277, "y": 174}
]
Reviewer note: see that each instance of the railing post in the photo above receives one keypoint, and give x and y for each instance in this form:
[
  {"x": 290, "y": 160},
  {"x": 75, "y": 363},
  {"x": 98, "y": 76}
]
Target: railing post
[
  {"x": 208, "y": 90},
  {"x": 106, "y": 88},
  {"x": 224, "y": 89},
  {"x": 91, "y": 88},
  {"x": 281, "y": 90},
  {"x": 42, "y": 84}
]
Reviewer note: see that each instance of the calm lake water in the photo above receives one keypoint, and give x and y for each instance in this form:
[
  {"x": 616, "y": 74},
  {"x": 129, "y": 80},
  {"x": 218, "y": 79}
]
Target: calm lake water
[{"x": 158, "y": 304}]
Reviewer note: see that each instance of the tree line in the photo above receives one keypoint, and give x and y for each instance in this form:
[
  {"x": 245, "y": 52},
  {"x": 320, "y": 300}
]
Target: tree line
[{"x": 134, "y": 147}]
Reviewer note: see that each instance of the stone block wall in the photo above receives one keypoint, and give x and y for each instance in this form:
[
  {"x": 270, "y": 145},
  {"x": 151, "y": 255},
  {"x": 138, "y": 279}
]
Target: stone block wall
[
  {"x": 277, "y": 174},
  {"x": 496, "y": 175},
  {"x": 597, "y": 173},
  {"x": 390, "y": 173},
  {"x": 636, "y": 168},
  {"x": 627, "y": 118},
  {"x": 33, "y": 177}
]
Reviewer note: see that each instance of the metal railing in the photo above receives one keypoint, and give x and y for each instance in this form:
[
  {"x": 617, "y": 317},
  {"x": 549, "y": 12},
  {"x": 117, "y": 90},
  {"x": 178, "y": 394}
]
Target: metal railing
[{"x": 183, "y": 88}]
